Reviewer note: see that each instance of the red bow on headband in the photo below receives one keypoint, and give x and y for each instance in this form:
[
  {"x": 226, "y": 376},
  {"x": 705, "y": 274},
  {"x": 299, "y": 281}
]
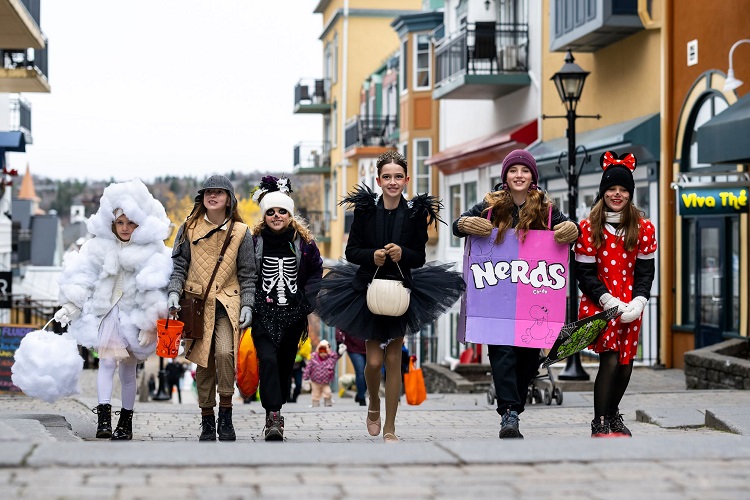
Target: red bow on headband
[{"x": 628, "y": 161}]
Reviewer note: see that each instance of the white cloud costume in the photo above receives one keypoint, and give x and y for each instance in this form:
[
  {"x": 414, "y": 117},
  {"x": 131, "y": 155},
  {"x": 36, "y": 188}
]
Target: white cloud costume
[{"x": 107, "y": 272}]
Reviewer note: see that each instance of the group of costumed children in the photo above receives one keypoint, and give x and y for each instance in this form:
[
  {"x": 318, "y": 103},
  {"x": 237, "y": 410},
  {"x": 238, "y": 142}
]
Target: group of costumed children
[{"x": 267, "y": 278}]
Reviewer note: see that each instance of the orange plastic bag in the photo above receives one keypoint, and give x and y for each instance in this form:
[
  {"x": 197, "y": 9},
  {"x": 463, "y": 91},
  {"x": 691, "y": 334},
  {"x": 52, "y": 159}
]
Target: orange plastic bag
[
  {"x": 414, "y": 386},
  {"x": 248, "y": 375}
]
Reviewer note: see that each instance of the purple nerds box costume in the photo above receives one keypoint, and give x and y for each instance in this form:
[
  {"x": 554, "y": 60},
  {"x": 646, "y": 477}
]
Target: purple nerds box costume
[{"x": 515, "y": 292}]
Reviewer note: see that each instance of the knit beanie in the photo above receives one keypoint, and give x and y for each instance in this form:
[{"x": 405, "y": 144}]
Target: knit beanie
[
  {"x": 520, "y": 157},
  {"x": 276, "y": 199},
  {"x": 617, "y": 172}
]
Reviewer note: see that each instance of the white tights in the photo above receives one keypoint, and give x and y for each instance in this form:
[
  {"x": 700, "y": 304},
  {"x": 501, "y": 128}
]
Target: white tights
[{"x": 127, "y": 380}]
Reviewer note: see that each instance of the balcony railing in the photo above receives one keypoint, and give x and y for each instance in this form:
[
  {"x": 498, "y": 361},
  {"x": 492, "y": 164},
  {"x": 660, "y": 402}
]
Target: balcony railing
[
  {"x": 320, "y": 223},
  {"x": 311, "y": 94},
  {"x": 25, "y": 58},
  {"x": 482, "y": 49},
  {"x": 20, "y": 116},
  {"x": 375, "y": 130},
  {"x": 34, "y": 9},
  {"x": 312, "y": 155}
]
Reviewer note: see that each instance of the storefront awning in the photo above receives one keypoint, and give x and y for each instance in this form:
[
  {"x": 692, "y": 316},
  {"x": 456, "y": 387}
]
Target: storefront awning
[
  {"x": 724, "y": 138},
  {"x": 639, "y": 136},
  {"x": 12, "y": 141},
  {"x": 484, "y": 151}
]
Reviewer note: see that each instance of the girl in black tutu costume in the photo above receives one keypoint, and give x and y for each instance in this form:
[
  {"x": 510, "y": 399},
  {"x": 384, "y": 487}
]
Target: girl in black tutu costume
[{"x": 388, "y": 234}]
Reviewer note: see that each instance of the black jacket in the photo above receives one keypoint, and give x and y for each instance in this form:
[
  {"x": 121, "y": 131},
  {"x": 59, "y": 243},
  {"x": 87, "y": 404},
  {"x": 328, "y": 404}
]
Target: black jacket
[{"x": 367, "y": 234}]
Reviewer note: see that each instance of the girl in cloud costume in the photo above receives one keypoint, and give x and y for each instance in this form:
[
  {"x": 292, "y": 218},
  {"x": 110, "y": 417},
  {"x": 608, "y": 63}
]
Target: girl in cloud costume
[
  {"x": 388, "y": 235},
  {"x": 114, "y": 289}
]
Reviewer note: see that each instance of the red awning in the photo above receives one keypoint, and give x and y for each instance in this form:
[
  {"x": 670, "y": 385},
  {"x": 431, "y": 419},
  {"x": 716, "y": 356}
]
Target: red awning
[{"x": 484, "y": 151}]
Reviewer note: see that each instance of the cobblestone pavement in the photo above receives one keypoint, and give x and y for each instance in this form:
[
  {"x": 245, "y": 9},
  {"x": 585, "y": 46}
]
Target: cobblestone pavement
[{"x": 449, "y": 449}]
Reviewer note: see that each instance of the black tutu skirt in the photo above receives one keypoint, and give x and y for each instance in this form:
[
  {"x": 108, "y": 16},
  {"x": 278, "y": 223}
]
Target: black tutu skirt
[{"x": 434, "y": 289}]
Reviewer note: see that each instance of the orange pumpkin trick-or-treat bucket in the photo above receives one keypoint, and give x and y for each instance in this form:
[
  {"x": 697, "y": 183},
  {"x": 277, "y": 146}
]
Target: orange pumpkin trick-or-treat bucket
[{"x": 169, "y": 332}]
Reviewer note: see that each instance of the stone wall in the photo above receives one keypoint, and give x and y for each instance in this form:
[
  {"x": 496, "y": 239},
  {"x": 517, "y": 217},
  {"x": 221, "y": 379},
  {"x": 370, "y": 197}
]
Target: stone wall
[
  {"x": 467, "y": 378},
  {"x": 720, "y": 366}
]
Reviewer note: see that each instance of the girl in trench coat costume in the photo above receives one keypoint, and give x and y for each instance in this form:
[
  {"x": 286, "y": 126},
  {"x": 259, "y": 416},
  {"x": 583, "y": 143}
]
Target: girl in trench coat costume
[{"x": 227, "y": 305}]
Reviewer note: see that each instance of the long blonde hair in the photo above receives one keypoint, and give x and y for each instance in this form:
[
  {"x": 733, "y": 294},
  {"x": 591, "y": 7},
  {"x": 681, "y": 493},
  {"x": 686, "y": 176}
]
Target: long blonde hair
[
  {"x": 533, "y": 215},
  {"x": 298, "y": 224},
  {"x": 628, "y": 229}
]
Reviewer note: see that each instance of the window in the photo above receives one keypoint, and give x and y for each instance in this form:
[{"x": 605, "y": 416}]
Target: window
[
  {"x": 454, "y": 200},
  {"x": 642, "y": 200},
  {"x": 422, "y": 172},
  {"x": 422, "y": 63},
  {"x": 402, "y": 66},
  {"x": 335, "y": 69},
  {"x": 334, "y": 125},
  {"x": 328, "y": 61},
  {"x": 710, "y": 107},
  {"x": 454, "y": 344},
  {"x": 470, "y": 194}
]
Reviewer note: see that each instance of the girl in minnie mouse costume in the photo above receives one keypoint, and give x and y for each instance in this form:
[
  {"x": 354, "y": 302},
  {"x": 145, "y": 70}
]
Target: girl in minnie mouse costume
[
  {"x": 615, "y": 268},
  {"x": 388, "y": 235},
  {"x": 114, "y": 289}
]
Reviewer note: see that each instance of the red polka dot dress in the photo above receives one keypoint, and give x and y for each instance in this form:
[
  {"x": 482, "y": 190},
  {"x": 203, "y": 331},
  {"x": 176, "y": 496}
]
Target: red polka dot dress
[{"x": 616, "y": 270}]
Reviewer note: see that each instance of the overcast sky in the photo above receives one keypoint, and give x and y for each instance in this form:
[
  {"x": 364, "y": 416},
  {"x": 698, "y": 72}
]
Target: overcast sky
[{"x": 143, "y": 88}]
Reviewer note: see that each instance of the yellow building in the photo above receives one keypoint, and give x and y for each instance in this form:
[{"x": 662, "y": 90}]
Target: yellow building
[{"x": 357, "y": 39}]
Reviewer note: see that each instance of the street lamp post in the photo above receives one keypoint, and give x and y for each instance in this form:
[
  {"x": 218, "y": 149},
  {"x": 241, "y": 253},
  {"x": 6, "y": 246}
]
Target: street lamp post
[
  {"x": 569, "y": 83},
  {"x": 161, "y": 392}
]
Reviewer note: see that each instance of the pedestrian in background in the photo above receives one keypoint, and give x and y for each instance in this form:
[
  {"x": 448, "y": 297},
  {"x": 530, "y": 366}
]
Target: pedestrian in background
[
  {"x": 174, "y": 372},
  {"x": 290, "y": 270},
  {"x": 228, "y": 304},
  {"x": 320, "y": 371},
  {"x": 114, "y": 289},
  {"x": 356, "y": 349},
  {"x": 517, "y": 205},
  {"x": 300, "y": 361},
  {"x": 388, "y": 235},
  {"x": 615, "y": 268}
]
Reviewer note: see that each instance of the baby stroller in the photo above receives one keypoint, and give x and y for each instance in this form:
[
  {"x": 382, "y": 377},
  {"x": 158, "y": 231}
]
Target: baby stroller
[{"x": 541, "y": 388}]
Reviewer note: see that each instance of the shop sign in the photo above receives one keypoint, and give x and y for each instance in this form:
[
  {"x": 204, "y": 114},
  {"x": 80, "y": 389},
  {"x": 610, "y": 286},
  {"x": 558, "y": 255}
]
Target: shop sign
[{"x": 712, "y": 201}]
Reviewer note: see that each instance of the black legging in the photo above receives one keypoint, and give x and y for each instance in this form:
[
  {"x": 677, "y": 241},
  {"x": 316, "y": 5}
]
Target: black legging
[
  {"x": 275, "y": 363},
  {"x": 512, "y": 370},
  {"x": 612, "y": 380}
]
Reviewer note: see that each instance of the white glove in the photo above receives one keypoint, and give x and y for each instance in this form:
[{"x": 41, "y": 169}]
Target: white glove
[
  {"x": 634, "y": 310},
  {"x": 146, "y": 337},
  {"x": 173, "y": 302},
  {"x": 607, "y": 301},
  {"x": 342, "y": 349},
  {"x": 246, "y": 317},
  {"x": 67, "y": 313}
]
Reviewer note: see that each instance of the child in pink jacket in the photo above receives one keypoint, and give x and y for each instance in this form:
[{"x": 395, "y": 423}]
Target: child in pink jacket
[{"x": 320, "y": 370}]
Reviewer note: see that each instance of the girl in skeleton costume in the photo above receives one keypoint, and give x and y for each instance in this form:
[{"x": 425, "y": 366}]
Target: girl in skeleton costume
[
  {"x": 228, "y": 305},
  {"x": 289, "y": 274},
  {"x": 114, "y": 289},
  {"x": 388, "y": 233}
]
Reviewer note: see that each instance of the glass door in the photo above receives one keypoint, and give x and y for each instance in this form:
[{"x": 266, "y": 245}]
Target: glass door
[{"x": 710, "y": 281}]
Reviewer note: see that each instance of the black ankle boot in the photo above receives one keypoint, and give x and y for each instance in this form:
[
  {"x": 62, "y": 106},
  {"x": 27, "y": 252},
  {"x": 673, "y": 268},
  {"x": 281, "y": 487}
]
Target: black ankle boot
[
  {"x": 104, "y": 424},
  {"x": 208, "y": 428},
  {"x": 124, "y": 429},
  {"x": 274, "y": 430},
  {"x": 225, "y": 427}
]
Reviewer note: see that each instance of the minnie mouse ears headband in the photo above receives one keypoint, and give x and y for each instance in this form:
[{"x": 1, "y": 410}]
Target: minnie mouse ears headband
[{"x": 609, "y": 158}]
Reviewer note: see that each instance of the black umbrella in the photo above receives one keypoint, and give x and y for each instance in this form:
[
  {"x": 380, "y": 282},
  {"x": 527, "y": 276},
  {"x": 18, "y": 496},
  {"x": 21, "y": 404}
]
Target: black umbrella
[{"x": 575, "y": 337}]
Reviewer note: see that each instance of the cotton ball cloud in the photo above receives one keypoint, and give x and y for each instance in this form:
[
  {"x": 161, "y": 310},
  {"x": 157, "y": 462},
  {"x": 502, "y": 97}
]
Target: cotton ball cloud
[{"x": 47, "y": 366}]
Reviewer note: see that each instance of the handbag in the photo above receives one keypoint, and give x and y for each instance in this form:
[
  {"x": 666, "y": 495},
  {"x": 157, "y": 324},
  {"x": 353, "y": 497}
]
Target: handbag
[
  {"x": 414, "y": 387},
  {"x": 191, "y": 306},
  {"x": 248, "y": 374},
  {"x": 388, "y": 297}
]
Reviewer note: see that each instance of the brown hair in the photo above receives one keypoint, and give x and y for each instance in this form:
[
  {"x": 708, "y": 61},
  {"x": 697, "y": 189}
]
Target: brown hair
[
  {"x": 628, "y": 229},
  {"x": 533, "y": 214},
  {"x": 391, "y": 156},
  {"x": 199, "y": 211}
]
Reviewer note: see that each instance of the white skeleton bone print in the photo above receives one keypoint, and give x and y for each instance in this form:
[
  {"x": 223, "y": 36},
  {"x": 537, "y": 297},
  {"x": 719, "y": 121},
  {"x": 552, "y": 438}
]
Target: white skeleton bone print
[{"x": 280, "y": 273}]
